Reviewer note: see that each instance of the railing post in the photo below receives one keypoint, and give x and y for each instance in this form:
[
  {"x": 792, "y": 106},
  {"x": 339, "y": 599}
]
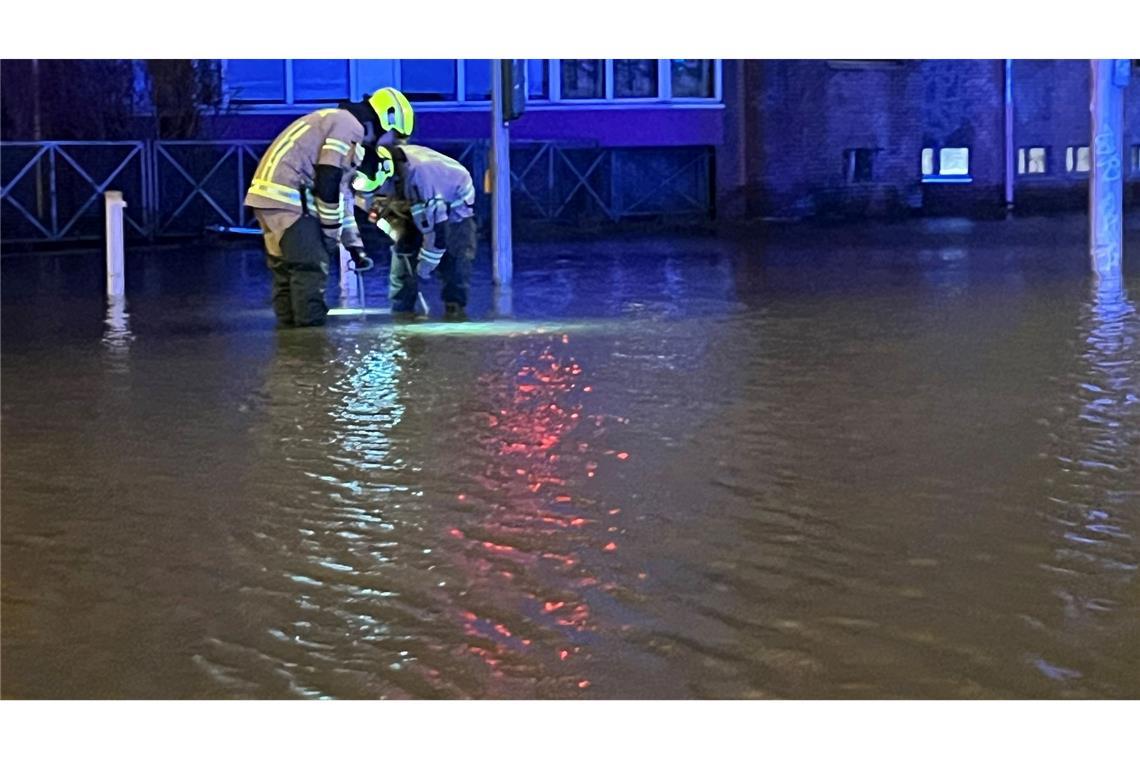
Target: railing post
[
  {"x": 1009, "y": 135},
  {"x": 116, "y": 277}
]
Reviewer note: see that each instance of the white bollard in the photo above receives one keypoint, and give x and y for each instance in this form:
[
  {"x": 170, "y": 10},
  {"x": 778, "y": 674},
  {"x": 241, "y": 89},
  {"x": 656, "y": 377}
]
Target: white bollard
[
  {"x": 349, "y": 291},
  {"x": 504, "y": 301},
  {"x": 116, "y": 274}
]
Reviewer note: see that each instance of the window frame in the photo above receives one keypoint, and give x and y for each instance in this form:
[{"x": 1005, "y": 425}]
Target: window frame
[
  {"x": 290, "y": 86},
  {"x": 1072, "y": 160},
  {"x": 937, "y": 177},
  {"x": 1023, "y": 162},
  {"x": 851, "y": 161},
  {"x": 553, "y": 100}
]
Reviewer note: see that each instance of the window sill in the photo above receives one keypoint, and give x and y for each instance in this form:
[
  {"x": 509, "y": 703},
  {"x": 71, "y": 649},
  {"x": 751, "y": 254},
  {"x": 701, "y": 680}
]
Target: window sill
[{"x": 953, "y": 179}]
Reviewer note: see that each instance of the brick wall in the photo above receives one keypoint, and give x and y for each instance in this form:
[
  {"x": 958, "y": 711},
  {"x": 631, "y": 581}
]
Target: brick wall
[
  {"x": 1051, "y": 110},
  {"x": 963, "y": 106},
  {"x": 796, "y": 118},
  {"x": 801, "y": 117}
]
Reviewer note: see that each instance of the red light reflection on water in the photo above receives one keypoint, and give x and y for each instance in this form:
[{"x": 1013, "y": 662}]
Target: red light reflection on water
[{"x": 535, "y": 514}]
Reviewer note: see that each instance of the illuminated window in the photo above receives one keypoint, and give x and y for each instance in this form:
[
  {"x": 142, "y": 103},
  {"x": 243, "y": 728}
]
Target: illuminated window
[
  {"x": 477, "y": 79},
  {"x": 583, "y": 79},
  {"x": 635, "y": 78},
  {"x": 428, "y": 79},
  {"x": 857, "y": 164},
  {"x": 256, "y": 81},
  {"x": 927, "y": 162},
  {"x": 1031, "y": 160},
  {"x": 693, "y": 78},
  {"x": 954, "y": 162},
  {"x": 1077, "y": 159},
  {"x": 318, "y": 81}
]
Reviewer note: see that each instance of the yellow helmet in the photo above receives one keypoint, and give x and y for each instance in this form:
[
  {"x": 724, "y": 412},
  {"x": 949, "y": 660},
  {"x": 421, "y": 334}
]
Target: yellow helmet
[
  {"x": 394, "y": 110},
  {"x": 384, "y": 171}
]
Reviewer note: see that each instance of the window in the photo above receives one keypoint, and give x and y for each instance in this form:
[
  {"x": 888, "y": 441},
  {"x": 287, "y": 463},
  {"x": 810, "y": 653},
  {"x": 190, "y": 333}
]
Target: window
[
  {"x": 320, "y": 81},
  {"x": 537, "y": 79},
  {"x": 296, "y": 85},
  {"x": 954, "y": 161},
  {"x": 1136, "y": 159},
  {"x": 583, "y": 79},
  {"x": 1031, "y": 161},
  {"x": 927, "y": 162},
  {"x": 256, "y": 81},
  {"x": 374, "y": 73},
  {"x": 428, "y": 79},
  {"x": 857, "y": 164},
  {"x": 693, "y": 78},
  {"x": 946, "y": 165},
  {"x": 1077, "y": 159},
  {"x": 635, "y": 78},
  {"x": 477, "y": 79}
]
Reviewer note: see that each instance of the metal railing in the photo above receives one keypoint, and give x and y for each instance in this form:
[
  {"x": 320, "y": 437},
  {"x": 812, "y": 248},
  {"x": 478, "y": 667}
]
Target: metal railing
[
  {"x": 50, "y": 190},
  {"x": 53, "y": 191}
]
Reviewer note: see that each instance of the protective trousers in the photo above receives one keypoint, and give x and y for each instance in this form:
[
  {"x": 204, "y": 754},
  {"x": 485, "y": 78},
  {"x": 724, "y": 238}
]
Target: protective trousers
[
  {"x": 458, "y": 239},
  {"x": 300, "y": 275}
]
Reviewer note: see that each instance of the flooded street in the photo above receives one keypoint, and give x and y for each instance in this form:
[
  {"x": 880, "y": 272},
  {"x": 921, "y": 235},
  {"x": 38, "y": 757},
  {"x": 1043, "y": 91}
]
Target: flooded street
[{"x": 834, "y": 463}]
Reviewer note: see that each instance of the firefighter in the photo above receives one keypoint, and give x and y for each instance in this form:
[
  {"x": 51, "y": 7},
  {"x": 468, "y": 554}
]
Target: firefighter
[
  {"x": 427, "y": 208},
  {"x": 302, "y": 197}
]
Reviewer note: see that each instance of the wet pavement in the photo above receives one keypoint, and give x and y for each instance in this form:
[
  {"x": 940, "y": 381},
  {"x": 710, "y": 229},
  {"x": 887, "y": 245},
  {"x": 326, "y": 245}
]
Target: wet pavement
[{"x": 867, "y": 461}]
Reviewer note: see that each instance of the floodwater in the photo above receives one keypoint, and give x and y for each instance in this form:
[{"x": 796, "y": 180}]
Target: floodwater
[{"x": 854, "y": 462}]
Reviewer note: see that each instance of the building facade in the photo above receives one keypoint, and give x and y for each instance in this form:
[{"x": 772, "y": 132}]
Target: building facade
[
  {"x": 895, "y": 137},
  {"x": 601, "y": 139},
  {"x": 783, "y": 138}
]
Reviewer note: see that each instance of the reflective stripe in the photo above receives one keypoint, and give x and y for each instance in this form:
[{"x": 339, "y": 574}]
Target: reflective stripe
[
  {"x": 275, "y": 192},
  {"x": 274, "y": 153},
  {"x": 430, "y": 256},
  {"x": 467, "y": 199},
  {"x": 337, "y": 145},
  {"x": 347, "y": 219},
  {"x": 288, "y": 141},
  {"x": 387, "y": 229},
  {"x": 328, "y": 212}
]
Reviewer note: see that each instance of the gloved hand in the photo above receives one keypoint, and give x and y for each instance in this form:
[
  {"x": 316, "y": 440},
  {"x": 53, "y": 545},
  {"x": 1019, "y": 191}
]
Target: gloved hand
[
  {"x": 360, "y": 260},
  {"x": 330, "y": 238},
  {"x": 429, "y": 260}
]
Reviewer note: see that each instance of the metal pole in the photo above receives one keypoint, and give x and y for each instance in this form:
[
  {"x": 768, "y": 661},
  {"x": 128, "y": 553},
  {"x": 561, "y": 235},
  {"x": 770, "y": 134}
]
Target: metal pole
[
  {"x": 37, "y": 135},
  {"x": 1009, "y": 135},
  {"x": 500, "y": 183},
  {"x": 1107, "y": 80},
  {"x": 116, "y": 278}
]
